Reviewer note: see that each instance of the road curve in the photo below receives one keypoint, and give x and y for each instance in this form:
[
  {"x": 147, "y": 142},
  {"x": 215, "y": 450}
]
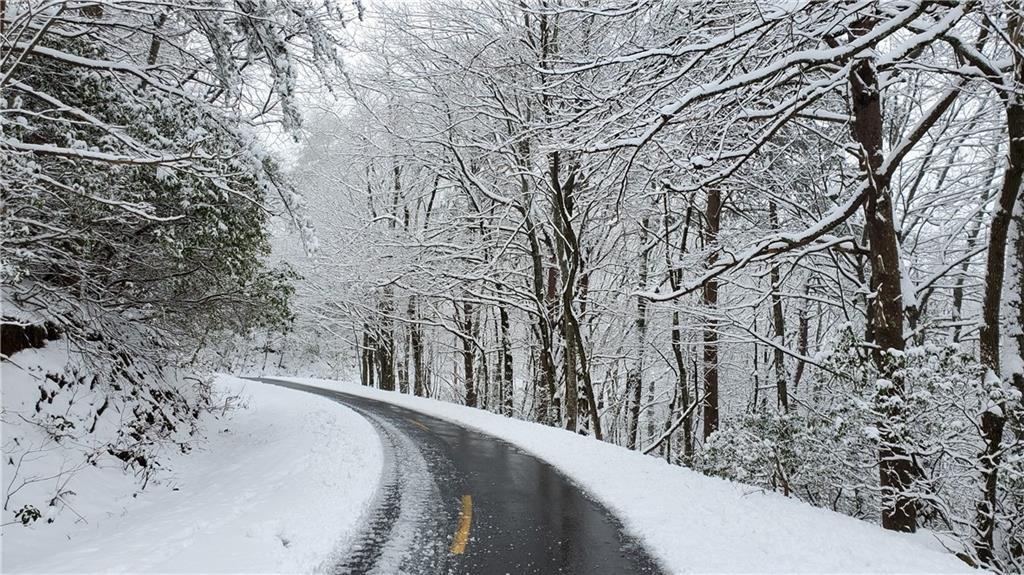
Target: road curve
[{"x": 453, "y": 500}]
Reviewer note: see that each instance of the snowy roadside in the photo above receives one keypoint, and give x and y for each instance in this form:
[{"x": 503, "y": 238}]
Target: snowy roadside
[
  {"x": 693, "y": 523},
  {"x": 278, "y": 486}
]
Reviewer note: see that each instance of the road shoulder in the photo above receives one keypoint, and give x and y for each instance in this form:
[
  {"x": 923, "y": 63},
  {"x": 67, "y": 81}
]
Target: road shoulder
[{"x": 279, "y": 485}]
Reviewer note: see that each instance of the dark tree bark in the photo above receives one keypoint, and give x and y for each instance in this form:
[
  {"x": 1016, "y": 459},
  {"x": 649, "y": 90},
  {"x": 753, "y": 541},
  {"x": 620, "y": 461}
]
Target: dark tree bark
[
  {"x": 886, "y": 318},
  {"x": 403, "y": 365},
  {"x": 1018, "y": 378},
  {"x": 154, "y": 41},
  {"x": 802, "y": 338},
  {"x": 369, "y": 360},
  {"x": 546, "y": 412},
  {"x": 588, "y": 383},
  {"x": 468, "y": 352},
  {"x": 634, "y": 391},
  {"x": 958, "y": 290},
  {"x": 993, "y": 420},
  {"x": 712, "y": 223},
  {"x": 675, "y": 279},
  {"x": 416, "y": 342},
  {"x": 683, "y": 389},
  {"x": 568, "y": 259},
  {"x": 778, "y": 321},
  {"x": 506, "y": 363},
  {"x": 385, "y": 352},
  {"x": 635, "y": 374},
  {"x": 482, "y": 373}
]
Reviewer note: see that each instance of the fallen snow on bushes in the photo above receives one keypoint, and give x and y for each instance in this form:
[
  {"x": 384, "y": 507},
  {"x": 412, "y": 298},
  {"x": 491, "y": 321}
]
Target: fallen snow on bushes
[
  {"x": 693, "y": 523},
  {"x": 277, "y": 485}
]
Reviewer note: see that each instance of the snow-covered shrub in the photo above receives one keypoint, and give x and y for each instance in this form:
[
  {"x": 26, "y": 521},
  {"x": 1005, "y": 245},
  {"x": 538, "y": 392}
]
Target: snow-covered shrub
[
  {"x": 136, "y": 204},
  {"x": 68, "y": 414},
  {"x": 828, "y": 455},
  {"x": 813, "y": 457}
]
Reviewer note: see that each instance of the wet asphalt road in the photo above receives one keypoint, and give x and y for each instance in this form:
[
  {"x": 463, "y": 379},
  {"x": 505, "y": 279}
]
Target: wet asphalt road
[{"x": 457, "y": 501}]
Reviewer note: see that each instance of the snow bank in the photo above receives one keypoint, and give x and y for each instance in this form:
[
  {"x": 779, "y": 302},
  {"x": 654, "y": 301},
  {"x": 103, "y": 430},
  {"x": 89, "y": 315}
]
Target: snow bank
[
  {"x": 694, "y": 523},
  {"x": 279, "y": 485}
]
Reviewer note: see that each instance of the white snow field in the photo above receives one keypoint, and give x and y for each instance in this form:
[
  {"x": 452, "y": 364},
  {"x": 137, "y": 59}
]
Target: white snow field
[
  {"x": 693, "y": 523},
  {"x": 278, "y": 485}
]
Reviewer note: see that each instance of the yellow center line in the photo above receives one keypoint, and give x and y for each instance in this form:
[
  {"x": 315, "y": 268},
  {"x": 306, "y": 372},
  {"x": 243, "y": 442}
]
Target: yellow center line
[
  {"x": 465, "y": 519},
  {"x": 420, "y": 425}
]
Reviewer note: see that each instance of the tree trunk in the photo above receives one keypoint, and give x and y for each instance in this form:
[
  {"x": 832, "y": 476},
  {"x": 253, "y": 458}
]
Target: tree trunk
[
  {"x": 895, "y": 467},
  {"x": 386, "y": 342},
  {"x": 565, "y": 251},
  {"x": 675, "y": 278},
  {"x": 367, "y": 356},
  {"x": 1018, "y": 293},
  {"x": 588, "y": 384},
  {"x": 710, "y": 301},
  {"x": 778, "y": 321},
  {"x": 684, "y": 389},
  {"x": 546, "y": 382},
  {"x": 506, "y": 363},
  {"x": 635, "y": 374},
  {"x": 958, "y": 290},
  {"x": 993, "y": 420},
  {"x": 154, "y": 41},
  {"x": 634, "y": 390},
  {"x": 482, "y": 373},
  {"x": 403, "y": 365},
  {"x": 802, "y": 338},
  {"x": 468, "y": 352},
  {"x": 416, "y": 342}
]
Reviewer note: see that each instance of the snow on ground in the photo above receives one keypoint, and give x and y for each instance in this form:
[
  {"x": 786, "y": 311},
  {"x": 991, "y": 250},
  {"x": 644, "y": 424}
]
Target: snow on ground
[
  {"x": 278, "y": 485},
  {"x": 694, "y": 523}
]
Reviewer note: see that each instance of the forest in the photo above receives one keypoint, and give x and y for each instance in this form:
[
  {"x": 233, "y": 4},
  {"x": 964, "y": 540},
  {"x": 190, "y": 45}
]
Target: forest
[{"x": 778, "y": 242}]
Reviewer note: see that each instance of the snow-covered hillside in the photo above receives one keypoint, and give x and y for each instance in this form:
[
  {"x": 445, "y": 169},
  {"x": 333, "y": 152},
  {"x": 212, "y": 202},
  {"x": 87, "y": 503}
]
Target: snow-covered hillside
[{"x": 277, "y": 485}]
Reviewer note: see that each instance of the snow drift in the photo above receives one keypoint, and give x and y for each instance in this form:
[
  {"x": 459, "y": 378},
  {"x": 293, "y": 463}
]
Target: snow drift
[{"x": 278, "y": 485}]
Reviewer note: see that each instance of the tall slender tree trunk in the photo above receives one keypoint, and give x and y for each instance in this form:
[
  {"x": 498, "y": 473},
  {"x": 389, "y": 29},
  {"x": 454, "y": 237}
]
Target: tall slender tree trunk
[
  {"x": 386, "y": 341},
  {"x": 802, "y": 338},
  {"x": 370, "y": 355},
  {"x": 675, "y": 278},
  {"x": 886, "y": 318},
  {"x": 154, "y": 41},
  {"x": 546, "y": 413},
  {"x": 1017, "y": 287},
  {"x": 416, "y": 343},
  {"x": 993, "y": 420},
  {"x": 684, "y": 389},
  {"x": 588, "y": 384},
  {"x": 365, "y": 367},
  {"x": 403, "y": 364},
  {"x": 565, "y": 252},
  {"x": 642, "y": 351},
  {"x": 634, "y": 395},
  {"x": 635, "y": 373},
  {"x": 778, "y": 321},
  {"x": 712, "y": 222},
  {"x": 482, "y": 372},
  {"x": 507, "y": 388},
  {"x": 958, "y": 289},
  {"x": 468, "y": 352}
]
